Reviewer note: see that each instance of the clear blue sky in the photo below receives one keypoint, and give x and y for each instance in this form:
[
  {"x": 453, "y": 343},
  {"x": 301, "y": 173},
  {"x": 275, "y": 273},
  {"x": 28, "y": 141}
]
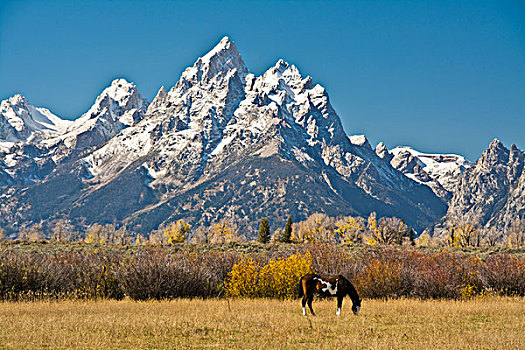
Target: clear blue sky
[{"x": 442, "y": 76}]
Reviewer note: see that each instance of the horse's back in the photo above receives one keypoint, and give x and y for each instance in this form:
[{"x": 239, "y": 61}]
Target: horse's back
[{"x": 309, "y": 276}]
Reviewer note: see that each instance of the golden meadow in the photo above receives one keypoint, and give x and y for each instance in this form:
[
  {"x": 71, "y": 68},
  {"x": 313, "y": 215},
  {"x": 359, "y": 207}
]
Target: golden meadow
[
  {"x": 224, "y": 296},
  {"x": 476, "y": 323}
]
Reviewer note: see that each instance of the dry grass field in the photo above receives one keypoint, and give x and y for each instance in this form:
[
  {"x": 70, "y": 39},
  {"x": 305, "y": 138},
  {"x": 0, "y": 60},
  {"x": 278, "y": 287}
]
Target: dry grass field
[{"x": 492, "y": 323}]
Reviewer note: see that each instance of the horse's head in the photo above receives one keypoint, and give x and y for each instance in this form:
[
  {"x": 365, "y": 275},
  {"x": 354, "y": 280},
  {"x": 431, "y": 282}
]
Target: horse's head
[{"x": 356, "y": 306}]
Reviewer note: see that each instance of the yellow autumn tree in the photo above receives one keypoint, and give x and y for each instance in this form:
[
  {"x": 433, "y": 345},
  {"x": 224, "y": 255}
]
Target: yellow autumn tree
[
  {"x": 318, "y": 227},
  {"x": 276, "y": 278},
  {"x": 350, "y": 229},
  {"x": 177, "y": 232},
  {"x": 223, "y": 231},
  {"x": 463, "y": 233},
  {"x": 279, "y": 277},
  {"x": 372, "y": 232},
  {"x": 386, "y": 230}
]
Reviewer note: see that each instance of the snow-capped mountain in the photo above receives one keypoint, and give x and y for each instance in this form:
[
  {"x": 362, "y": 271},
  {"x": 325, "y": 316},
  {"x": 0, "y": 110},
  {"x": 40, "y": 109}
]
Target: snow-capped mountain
[
  {"x": 224, "y": 143},
  {"x": 33, "y": 140},
  {"x": 20, "y": 121},
  {"x": 24, "y": 129},
  {"x": 441, "y": 172},
  {"x": 221, "y": 143},
  {"x": 120, "y": 105}
]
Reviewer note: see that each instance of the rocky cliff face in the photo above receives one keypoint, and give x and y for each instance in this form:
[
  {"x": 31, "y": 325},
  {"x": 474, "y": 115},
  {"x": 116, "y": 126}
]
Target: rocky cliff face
[{"x": 492, "y": 190}]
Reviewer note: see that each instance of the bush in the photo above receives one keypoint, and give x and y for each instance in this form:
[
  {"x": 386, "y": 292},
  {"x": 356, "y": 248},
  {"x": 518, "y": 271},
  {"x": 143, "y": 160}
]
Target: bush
[
  {"x": 504, "y": 274},
  {"x": 90, "y": 271},
  {"x": 277, "y": 278}
]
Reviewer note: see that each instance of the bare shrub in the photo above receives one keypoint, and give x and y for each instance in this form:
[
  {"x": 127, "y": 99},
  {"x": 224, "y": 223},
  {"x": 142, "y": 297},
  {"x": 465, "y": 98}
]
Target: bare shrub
[
  {"x": 504, "y": 274},
  {"x": 318, "y": 227}
]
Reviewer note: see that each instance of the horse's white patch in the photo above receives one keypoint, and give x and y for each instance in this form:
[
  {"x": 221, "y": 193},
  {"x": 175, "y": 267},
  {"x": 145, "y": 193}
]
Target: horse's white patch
[
  {"x": 338, "y": 311},
  {"x": 328, "y": 288},
  {"x": 357, "y": 310},
  {"x": 304, "y": 311}
]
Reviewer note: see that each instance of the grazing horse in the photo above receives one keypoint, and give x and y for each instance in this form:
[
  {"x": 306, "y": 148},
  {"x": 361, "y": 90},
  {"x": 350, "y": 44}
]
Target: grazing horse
[{"x": 327, "y": 286}]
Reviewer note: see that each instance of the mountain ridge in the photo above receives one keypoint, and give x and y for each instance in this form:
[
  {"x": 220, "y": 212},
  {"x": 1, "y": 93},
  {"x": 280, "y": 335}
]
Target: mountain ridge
[{"x": 201, "y": 151}]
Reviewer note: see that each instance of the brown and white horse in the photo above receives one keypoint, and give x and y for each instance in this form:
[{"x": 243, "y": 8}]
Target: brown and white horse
[{"x": 327, "y": 286}]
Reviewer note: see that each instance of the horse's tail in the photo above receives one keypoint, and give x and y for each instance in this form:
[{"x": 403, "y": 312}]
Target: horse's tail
[{"x": 301, "y": 291}]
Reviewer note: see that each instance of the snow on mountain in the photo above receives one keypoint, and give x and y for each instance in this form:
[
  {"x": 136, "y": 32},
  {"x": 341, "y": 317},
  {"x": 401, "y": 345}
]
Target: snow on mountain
[
  {"x": 21, "y": 121},
  {"x": 221, "y": 143},
  {"x": 120, "y": 105},
  {"x": 186, "y": 123},
  {"x": 24, "y": 129},
  {"x": 441, "y": 172},
  {"x": 218, "y": 117},
  {"x": 33, "y": 140}
]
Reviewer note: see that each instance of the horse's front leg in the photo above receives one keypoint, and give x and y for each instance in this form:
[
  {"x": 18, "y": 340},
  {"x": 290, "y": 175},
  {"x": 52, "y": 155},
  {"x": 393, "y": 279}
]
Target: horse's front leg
[{"x": 339, "y": 304}]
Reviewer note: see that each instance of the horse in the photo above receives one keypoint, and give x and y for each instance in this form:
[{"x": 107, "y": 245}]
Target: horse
[{"x": 327, "y": 286}]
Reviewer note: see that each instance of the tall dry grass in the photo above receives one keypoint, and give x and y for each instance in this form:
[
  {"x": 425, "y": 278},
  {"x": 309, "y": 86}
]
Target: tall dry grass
[{"x": 491, "y": 323}]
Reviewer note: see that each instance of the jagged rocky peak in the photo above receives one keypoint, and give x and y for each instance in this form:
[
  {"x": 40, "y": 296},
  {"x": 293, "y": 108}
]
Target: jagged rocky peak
[
  {"x": 493, "y": 189},
  {"x": 159, "y": 99},
  {"x": 118, "y": 106},
  {"x": 405, "y": 161},
  {"x": 382, "y": 152},
  {"x": 286, "y": 76},
  {"x": 17, "y": 99},
  {"x": 495, "y": 153},
  {"x": 118, "y": 99},
  {"x": 220, "y": 60}
]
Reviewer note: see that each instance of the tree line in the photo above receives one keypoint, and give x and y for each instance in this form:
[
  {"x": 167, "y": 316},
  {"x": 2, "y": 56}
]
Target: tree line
[{"x": 317, "y": 228}]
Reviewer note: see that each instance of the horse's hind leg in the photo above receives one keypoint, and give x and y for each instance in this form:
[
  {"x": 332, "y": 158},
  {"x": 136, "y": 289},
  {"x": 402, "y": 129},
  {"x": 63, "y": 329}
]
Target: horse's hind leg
[
  {"x": 304, "y": 304},
  {"x": 310, "y": 299}
]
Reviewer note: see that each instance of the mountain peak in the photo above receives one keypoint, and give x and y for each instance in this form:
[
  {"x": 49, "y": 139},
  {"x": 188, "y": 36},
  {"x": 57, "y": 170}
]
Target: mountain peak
[
  {"x": 222, "y": 58},
  {"x": 496, "y": 144},
  {"x": 120, "y": 90},
  {"x": 21, "y": 120},
  {"x": 224, "y": 45},
  {"x": 17, "y": 99},
  {"x": 495, "y": 153}
]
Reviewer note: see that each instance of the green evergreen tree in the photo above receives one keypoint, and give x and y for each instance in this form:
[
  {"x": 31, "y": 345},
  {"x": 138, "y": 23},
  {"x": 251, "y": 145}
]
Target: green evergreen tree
[
  {"x": 264, "y": 231},
  {"x": 287, "y": 234},
  {"x": 411, "y": 236}
]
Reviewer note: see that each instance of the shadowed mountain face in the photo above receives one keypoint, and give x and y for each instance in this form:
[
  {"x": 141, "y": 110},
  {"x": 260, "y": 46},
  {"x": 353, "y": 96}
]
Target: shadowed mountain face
[{"x": 222, "y": 143}]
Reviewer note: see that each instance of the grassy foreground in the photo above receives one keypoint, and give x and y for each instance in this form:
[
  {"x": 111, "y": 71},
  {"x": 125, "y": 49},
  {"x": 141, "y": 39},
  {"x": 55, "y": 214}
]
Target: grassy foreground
[{"x": 398, "y": 324}]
